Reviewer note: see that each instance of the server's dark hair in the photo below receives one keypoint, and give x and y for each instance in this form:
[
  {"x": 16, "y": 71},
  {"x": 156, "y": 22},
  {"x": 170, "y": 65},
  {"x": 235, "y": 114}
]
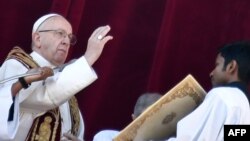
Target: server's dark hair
[{"x": 240, "y": 52}]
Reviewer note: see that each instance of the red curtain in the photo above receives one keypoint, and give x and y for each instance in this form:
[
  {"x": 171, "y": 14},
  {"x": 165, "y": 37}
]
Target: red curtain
[{"x": 156, "y": 44}]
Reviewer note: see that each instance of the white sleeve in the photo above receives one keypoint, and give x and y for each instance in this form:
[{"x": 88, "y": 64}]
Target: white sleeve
[
  {"x": 56, "y": 90},
  {"x": 11, "y": 68},
  {"x": 8, "y": 129},
  {"x": 105, "y": 135}
]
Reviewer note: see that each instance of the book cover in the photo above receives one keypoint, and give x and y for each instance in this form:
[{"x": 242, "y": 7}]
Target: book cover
[{"x": 159, "y": 120}]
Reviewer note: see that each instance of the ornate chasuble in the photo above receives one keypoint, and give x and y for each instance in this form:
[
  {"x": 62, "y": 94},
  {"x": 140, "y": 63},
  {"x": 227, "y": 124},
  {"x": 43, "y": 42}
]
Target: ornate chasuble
[{"x": 46, "y": 127}]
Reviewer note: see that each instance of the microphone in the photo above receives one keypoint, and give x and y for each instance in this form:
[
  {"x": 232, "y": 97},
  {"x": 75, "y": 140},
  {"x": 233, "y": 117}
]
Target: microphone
[
  {"x": 61, "y": 67},
  {"x": 55, "y": 70}
]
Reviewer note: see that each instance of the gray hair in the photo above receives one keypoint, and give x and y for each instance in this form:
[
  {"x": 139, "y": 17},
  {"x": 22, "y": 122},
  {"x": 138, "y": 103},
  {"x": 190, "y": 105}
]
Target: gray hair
[{"x": 144, "y": 101}]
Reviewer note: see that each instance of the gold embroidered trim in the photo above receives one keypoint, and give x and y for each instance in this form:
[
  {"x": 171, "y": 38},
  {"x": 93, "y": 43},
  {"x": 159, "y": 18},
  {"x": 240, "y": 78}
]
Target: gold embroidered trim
[
  {"x": 20, "y": 55},
  {"x": 46, "y": 127},
  {"x": 75, "y": 116}
]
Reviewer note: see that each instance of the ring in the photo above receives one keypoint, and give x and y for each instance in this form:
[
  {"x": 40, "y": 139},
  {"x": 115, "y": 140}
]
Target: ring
[{"x": 99, "y": 37}]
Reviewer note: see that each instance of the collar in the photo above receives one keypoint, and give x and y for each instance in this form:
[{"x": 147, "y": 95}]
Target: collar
[
  {"x": 241, "y": 86},
  {"x": 41, "y": 61}
]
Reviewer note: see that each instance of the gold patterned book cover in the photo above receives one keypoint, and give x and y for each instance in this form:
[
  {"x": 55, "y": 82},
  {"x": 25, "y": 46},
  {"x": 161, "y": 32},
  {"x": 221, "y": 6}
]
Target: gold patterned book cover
[{"x": 159, "y": 121}]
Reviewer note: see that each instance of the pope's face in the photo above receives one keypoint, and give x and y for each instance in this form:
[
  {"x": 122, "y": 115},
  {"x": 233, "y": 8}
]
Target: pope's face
[{"x": 53, "y": 46}]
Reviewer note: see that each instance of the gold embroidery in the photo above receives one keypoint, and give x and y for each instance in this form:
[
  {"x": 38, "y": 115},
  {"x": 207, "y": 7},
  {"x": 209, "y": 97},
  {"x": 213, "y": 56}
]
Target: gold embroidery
[
  {"x": 42, "y": 126},
  {"x": 20, "y": 55},
  {"x": 170, "y": 117},
  {"x": 75, "y": 116},
  {"x": 44, "y": 130}
]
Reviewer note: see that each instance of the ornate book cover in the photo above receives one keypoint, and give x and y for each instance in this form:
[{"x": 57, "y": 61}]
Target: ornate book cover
[{"x": 159, "y": 120}]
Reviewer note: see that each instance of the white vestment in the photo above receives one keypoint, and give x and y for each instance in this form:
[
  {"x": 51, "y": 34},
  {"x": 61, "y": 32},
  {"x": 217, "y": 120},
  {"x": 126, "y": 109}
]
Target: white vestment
[
  {"x": 8, "y": 129},
  {"x": 53, "y": 92},
  {"x": 105, "y": 135},
  {"x": 222, "y": 105}
]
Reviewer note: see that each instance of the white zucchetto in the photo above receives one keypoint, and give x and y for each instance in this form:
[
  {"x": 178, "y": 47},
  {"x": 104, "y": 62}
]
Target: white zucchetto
[{"x": 38, "y": 23}]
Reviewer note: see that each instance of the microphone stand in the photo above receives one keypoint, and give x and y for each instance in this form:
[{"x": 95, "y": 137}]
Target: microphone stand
[{"x": 55, "y": 70}]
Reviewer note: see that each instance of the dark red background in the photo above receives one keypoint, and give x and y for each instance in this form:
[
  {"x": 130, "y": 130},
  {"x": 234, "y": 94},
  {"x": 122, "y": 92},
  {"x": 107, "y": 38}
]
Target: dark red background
[{"x": 156, "y": 44}]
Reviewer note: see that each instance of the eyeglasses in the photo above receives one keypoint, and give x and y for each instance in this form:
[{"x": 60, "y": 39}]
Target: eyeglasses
[{"x": 62, "y": 34}]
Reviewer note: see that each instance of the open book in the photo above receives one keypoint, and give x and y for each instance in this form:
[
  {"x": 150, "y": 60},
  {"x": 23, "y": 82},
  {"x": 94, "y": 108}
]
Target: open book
[{"x": 159, "y": 120}]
